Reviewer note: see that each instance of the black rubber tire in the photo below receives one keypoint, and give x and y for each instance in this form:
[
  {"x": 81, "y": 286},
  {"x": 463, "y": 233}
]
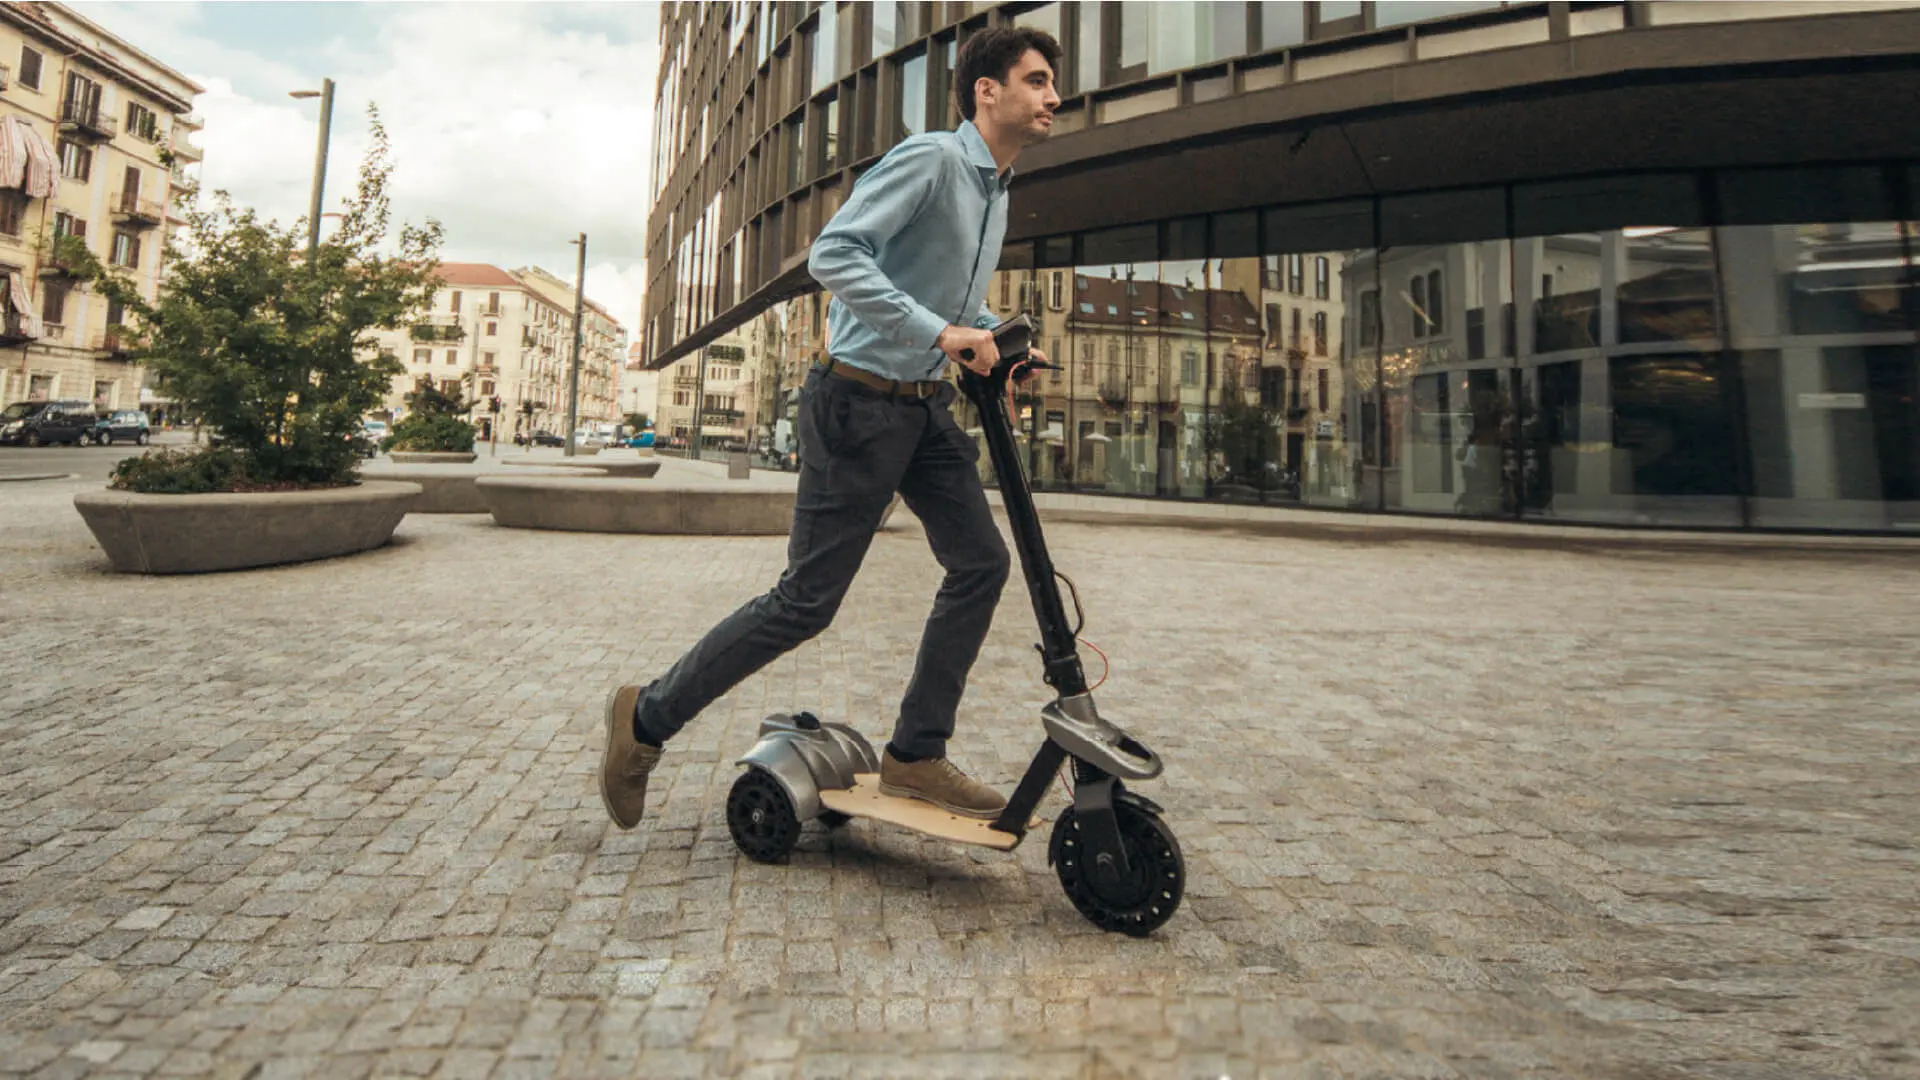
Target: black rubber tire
[
  {"x": 1158, "y": 881},
  {"x": 34, "y": 439},
  {"x": 107, "y": 439},
  {"x": 140, "y": 439},
  {"x": 761, "y": 817}
]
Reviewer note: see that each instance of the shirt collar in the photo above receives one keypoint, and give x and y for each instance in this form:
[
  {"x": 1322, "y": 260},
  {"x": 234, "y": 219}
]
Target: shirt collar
[{"x": 975, "y": 146}]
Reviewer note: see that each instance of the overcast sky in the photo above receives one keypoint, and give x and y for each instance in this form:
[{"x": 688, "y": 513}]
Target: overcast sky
[{"x": 516, "y": 125}]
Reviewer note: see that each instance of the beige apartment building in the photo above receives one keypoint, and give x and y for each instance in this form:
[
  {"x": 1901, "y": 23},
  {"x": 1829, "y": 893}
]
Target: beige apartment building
[
  {"x": 491, "y": 333},
  {"x": 84, "y": 116}
]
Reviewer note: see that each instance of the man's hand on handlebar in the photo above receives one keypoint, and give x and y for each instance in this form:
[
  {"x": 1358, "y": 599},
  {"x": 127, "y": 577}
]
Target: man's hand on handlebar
[
  {"x": 970, "y": 347},
  {"x": 1036, "y": 361}
]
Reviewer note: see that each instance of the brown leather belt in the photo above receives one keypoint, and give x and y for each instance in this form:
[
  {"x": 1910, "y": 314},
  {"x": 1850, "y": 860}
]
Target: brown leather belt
[{"x": 925, "y": 388}]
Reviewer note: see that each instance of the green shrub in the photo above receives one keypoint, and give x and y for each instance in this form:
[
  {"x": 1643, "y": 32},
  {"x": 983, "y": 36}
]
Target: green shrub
[
  {"x": 430, "y": 433},
  {"x": 267, "y": 343},
  {"x": 179, "y": 472}
]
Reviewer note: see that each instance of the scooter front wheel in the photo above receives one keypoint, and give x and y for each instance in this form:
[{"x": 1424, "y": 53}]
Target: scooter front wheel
[
  {"x": 1137, "y": 902},
  {"x": 762, "y": 818}
]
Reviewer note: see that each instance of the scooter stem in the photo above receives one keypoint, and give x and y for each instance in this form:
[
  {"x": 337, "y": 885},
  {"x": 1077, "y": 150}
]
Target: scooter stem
[{"x": 988, "y": 394}]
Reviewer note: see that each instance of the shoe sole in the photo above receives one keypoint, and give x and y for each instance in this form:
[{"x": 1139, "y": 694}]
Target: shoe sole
[
  {"x": 907, "y": 793},
  {"x": 606, "y": 797}
]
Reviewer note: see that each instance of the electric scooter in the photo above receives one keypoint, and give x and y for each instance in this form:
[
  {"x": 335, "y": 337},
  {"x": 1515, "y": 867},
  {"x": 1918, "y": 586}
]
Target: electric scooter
[{"x": 1116, "y": 859}]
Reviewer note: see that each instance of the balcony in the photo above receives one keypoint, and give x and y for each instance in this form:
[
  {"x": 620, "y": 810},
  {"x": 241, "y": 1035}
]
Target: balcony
[
  {"x": 439, "y": 326},
  {"x": 116, "y": 341},
  {"x": 13, "y": 329},
  {"x": 130, "y": 208},
  {"x": 79, "y": 120},
  {"x": 183, "y": 150},
  {"x": 54, "y": 266}
]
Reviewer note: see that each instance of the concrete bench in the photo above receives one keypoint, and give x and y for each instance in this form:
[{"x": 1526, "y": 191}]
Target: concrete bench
[
  {"x": 625, "y": 505},
  {"x": 447, "y": 489},
  {"x": 601, "y": 465}
]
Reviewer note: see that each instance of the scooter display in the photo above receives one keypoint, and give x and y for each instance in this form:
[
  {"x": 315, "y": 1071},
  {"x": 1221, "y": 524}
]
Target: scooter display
[{"x": 1115, "y": 857}]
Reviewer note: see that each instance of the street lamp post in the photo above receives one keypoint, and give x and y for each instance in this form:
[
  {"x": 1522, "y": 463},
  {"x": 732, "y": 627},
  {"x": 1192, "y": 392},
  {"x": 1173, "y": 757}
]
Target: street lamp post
[
  {"x": 325, "y": 94},
  {"x": 573, "y": 374}
]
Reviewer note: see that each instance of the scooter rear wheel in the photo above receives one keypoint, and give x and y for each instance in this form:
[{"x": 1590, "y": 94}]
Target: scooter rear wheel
[
  {"x": 761, "y": 817},
  {"x": 1145, "y": 898}
]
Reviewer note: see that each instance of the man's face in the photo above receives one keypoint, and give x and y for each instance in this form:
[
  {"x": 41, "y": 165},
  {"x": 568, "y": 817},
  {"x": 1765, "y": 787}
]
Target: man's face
[{"x": 1025, "y": 103}]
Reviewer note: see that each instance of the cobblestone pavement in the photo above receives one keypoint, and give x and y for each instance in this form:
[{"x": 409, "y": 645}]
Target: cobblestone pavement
[{"x": 1448, "y": 811}]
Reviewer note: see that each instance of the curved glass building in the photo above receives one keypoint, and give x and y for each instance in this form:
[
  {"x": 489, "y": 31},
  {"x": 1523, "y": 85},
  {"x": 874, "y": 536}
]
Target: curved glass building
[{"x": 1646, "y": 263}]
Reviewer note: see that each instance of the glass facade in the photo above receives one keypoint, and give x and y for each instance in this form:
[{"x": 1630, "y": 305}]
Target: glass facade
[{"x": 1732, "y": 348}]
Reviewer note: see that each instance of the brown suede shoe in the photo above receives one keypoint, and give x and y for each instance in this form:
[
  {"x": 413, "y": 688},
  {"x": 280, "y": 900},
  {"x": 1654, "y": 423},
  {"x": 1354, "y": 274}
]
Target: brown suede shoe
[
  {"x": 626, "y": 763},
  {"x": 940, "y": 782}
]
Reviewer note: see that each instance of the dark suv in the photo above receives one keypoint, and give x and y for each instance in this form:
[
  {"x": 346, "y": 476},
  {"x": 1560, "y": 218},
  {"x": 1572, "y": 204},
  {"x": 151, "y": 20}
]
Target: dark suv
[{"x": 37, "y": 423}]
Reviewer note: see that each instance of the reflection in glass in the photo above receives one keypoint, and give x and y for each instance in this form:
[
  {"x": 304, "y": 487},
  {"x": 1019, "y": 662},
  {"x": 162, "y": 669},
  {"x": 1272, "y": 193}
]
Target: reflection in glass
[
  {"x": 1400, "y": 12},
  {"x": 1091, "y": 58},
  {"x": 913, "y": 98},
  {"x": 885, "y": 22},
  {"x": 825, "y": 38},
  {"x": 832, "y": 148},
  {"x": 1282, "y": 24}
]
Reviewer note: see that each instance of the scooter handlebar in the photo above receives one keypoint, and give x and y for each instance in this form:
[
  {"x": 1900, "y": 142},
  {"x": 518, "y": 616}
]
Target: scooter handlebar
[{"x": 1014, "y": 340}]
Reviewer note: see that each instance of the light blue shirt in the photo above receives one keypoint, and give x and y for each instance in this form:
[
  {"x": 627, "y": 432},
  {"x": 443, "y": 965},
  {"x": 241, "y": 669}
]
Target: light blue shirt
[{"x": 911, "y": 252}]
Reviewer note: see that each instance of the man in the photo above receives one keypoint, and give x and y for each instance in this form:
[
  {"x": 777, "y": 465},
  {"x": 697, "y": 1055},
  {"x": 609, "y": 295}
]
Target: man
[{"x": 908, "y": 260}]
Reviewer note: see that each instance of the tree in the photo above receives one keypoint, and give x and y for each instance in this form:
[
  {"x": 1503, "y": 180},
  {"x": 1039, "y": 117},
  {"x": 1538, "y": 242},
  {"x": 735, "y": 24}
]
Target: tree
[
  {"x": 639, "y": 422},
  {"x": 267, "y": 345}
]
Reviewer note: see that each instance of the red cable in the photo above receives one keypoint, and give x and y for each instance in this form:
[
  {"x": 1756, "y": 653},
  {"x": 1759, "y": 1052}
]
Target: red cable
[{"x": 1106, "y": 669}]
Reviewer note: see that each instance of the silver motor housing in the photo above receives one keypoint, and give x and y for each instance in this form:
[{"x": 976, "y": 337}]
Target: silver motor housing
[{"x": 807, "y": 757}]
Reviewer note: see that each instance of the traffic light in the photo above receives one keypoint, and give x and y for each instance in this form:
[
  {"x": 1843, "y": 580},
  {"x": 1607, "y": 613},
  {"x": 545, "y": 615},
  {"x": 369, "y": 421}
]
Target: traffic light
[{"x": 495, "y": 403}]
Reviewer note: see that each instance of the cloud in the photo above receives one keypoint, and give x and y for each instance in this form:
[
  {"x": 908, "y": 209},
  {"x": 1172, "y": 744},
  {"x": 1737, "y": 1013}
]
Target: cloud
[{"x": 516, "y": 126}]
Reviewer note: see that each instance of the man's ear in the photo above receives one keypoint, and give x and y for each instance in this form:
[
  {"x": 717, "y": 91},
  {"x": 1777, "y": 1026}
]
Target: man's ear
[{"x": 985, "y": 89}]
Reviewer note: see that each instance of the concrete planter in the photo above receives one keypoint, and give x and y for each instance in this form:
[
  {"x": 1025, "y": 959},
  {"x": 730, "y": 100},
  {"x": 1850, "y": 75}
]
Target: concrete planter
[
  {"x": 634, "y": 506},
  {"x": 446, "y": 489},
  {"x": 626, "y": 468},
  {"x": 191, "y": 534},
  {"x": 571, "y": 504},
  {"x": 432, "y": 457}
]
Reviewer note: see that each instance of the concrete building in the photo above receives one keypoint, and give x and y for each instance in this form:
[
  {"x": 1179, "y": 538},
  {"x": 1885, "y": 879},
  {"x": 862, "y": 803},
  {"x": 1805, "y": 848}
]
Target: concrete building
[
  {"x": 88, "y": 116},
  {"x": 1638, "y": 263},
  {"x": 488, "y": 333}
]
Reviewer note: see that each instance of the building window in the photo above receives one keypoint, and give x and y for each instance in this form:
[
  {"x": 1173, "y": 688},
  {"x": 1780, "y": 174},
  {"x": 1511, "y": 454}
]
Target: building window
[
  {"x": 76, "y": 161},
  {"x": 1274, "y": 328},
  {"x": 423, "y": 356},
  {"x": 53, "y": 302},
  {"x": 1320, "y": 387},
  {"x": 492, "y": 328},
  {"x": 13, "y": 209},
  {"x": 29, "y": 68},
  {"x": 1322, "y": 277},
  {"x": 1297, "y": 274},
  {"x": 1369, "y": 318},
  {"x": 116, "y": 313},
  {"x": 1006, "y": 290},
  {"x": 1320, "y": 334},
  {"x": 455, "y": 305},
  {"x": 1436, "y": 304},
  {"x": 1293, "y": 338},
  {"x": 486, "y": 388},
  {"x": 486, "y": 359},
  {"x": 65, "y": 224},
  {"x": 912, "y": 97},
  {"x": 1189, "y": 368},
  {"x": 1058, "y": 291},
  {"x": 453, "y": 356},
  {"x": 126, "y": 249},
  {"x": 493, "y": 303},
  {"x": 1417, "y": 298},
  {"x": 1270, "y": 272},
  {"x": 142, "y": 123}
]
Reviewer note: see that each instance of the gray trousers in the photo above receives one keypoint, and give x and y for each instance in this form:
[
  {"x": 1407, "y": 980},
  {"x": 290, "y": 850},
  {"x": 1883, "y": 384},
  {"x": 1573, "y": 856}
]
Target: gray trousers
[{"x": 857, "y": 448}]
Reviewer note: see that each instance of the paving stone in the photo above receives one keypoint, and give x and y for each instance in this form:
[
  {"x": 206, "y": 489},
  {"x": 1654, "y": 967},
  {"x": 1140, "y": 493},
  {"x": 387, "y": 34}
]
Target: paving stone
[{"x": 1447, "y": 810}]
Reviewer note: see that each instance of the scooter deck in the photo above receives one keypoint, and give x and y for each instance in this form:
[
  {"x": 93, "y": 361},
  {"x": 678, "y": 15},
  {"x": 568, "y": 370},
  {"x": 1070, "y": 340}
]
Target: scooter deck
[{"x": 864, "y": 800}]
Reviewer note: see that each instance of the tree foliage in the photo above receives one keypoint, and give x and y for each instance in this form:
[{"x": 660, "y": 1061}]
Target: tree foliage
[{"x": 270, "y": 347}]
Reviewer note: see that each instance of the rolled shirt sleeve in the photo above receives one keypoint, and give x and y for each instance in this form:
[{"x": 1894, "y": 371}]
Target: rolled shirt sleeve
[{"x": 844, "y": 256}]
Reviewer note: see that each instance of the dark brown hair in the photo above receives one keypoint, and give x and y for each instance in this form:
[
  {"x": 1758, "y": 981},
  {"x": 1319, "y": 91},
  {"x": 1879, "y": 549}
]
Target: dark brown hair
[{"x": 991, "y": 54}]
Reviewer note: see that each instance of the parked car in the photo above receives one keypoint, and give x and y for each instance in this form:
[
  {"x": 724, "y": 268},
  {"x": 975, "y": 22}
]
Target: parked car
[
  {"x": 541, "y": 438},
  {"x": 37, "y": 423},
  {"x": 122, "y": 425}
]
